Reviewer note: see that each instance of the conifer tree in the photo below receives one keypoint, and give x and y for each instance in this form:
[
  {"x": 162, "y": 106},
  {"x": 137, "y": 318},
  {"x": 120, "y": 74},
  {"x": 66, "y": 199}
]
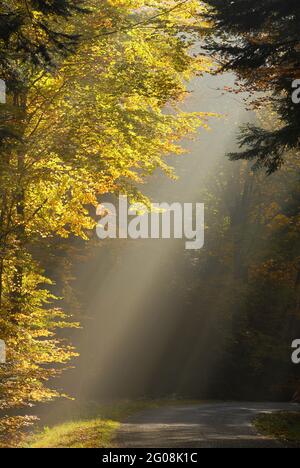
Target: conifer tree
[{"x": 259, "y": 41}]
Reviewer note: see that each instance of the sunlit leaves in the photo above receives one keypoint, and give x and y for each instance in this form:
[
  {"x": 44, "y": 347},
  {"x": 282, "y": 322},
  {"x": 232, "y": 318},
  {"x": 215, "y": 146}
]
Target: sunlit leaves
[{"x": 102, "y": 123}]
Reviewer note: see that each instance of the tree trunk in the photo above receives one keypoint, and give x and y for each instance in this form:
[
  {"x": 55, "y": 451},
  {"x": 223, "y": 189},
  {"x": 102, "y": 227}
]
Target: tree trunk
[{"x": 20, "y": 100}]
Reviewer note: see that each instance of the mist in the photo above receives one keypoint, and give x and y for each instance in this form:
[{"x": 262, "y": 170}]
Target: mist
[{"x": 137, "y": 340}]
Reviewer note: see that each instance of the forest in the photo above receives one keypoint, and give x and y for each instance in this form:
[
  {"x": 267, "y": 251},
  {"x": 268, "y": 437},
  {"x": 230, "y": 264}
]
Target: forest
[{"x": 169, "y": 100}]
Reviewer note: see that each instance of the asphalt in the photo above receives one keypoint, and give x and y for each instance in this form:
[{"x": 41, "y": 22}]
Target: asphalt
[{"x": 214, "y": 425}]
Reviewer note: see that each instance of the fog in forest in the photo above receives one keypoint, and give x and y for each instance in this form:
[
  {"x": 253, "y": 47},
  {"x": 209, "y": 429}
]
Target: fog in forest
[{"x": 140, "y": 338}]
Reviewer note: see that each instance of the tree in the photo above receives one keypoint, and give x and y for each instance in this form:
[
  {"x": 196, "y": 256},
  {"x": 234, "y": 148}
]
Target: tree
[
  {"x": 32, "y": 41},
  {"x": 96, "y": 125},
  {"x": 34, "y": 36},
  {"x": 248, "y": 280},
  {"x": 36, "y": 31},
  {"x": 259, "y": 41}
]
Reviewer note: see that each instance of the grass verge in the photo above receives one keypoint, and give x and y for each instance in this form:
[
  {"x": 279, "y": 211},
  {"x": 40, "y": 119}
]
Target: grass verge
[
  {"x": 94, "y": 426},
  {"x": 283, "y": 426}
]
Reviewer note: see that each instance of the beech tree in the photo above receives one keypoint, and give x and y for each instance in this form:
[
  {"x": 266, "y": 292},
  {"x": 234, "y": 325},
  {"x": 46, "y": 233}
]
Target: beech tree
[{"x": 100, "y": 121}]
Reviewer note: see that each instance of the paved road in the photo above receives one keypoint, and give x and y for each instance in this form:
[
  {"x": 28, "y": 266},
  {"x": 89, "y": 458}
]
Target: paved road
[{"x": 214, "y": 425}]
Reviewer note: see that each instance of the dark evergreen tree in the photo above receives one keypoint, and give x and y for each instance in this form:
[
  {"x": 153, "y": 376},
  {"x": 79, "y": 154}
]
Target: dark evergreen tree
[
  {"x": 259, "y": 41},
  {"x": 34, "y": 30},
  {"x": 34, "y": 36}
]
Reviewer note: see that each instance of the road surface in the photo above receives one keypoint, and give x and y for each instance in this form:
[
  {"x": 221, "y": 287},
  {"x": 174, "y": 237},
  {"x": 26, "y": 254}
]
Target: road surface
[{"x": 214, "y": 425}]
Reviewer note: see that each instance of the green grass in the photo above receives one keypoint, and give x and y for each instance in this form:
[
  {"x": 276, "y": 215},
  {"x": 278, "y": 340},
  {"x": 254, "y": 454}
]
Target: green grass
[
  {"x": 93, "y": 426},
  {"x": 77, "y": 434},
  {"x": 282, "y": 426}
]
